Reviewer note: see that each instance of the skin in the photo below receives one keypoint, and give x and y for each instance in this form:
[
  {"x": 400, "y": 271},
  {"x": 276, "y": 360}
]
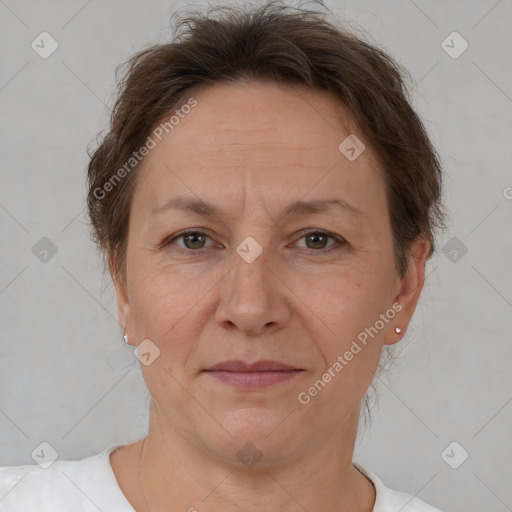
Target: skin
[{"x": 252, "y": 149}]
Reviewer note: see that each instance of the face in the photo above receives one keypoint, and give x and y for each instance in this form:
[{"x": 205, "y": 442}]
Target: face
[{"x": 256, "y": 282}]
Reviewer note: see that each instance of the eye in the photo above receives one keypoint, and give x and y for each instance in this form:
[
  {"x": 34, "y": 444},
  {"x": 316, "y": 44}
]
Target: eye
[
  {"x": 316, "y": 240},
  {"x": 193, "y": 240}
]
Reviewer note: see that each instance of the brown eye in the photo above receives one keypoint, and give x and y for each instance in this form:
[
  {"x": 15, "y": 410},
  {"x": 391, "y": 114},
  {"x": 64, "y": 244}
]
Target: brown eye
[
  {"x": 317, "y": 240},
  {"x": 195, "y": 241},
  {"x": 192, "y": 240}
]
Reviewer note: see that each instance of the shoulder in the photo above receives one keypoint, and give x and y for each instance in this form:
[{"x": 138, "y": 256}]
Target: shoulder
[
  {"x": 30, "y": 487},
  {"x": 390, "y": 500},
  {"x": 85, "y": 485}
]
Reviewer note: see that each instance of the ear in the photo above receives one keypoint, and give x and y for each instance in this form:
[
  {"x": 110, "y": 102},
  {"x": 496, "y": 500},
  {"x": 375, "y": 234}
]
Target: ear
[
  {"x": 124, "y": 309},
  {"x": 409, "y": 290}
]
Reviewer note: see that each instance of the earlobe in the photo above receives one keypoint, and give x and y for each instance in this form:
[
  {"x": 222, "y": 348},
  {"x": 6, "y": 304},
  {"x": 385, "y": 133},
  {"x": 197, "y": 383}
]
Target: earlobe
[
  {"x": 124, "y": 312},
  {"x": 123, "y": 304},
  {"x": 409, "y": 293}
]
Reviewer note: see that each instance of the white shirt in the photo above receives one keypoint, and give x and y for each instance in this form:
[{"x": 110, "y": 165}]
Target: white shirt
[{"x": 90, "y": 485}]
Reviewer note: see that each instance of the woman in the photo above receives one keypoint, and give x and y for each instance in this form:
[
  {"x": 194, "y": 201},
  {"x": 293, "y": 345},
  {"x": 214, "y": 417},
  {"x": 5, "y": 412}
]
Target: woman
[{"x": 266, "y": 200}]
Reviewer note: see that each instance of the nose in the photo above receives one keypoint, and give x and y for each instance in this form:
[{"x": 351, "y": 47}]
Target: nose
[{"x": 253, "y": 298}]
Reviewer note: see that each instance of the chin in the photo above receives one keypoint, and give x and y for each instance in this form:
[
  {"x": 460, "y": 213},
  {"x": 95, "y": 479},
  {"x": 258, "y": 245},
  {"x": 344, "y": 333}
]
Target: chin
[{"x": 258, "y": 437}]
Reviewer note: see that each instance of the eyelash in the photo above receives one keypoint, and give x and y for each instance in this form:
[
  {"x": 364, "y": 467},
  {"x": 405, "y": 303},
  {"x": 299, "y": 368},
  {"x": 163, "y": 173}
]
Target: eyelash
[{"x": 340, "y": 241}]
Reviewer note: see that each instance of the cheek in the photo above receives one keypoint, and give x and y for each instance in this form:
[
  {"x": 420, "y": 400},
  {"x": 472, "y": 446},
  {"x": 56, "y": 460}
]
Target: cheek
[
  {"x": 350, "y": 304},
  {"x": 166, "y": 305},
  {"x": 345, "y": 295}
]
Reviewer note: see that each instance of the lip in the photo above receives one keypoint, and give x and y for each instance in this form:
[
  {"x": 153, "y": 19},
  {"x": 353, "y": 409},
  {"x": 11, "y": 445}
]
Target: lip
[
  {"x": 257, "y": 375},
  {"x": 258, "y": 366}
]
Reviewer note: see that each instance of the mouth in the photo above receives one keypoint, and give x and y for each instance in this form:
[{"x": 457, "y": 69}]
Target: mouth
[{"x": 252, "y": 376}]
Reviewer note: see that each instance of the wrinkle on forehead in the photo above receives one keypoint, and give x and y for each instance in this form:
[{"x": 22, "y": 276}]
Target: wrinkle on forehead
[{"x": 262, "y": 142}]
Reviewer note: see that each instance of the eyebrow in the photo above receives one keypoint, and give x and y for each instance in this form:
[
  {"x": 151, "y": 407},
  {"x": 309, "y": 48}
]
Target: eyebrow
[{"x": 205, "y": 209}]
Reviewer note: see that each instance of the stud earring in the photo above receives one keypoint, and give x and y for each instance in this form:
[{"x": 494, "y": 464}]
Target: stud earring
[{"x": 398, "y": 330}]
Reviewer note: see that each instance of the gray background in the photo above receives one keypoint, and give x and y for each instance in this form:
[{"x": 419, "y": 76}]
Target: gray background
[{"x": 66, "y": 376}]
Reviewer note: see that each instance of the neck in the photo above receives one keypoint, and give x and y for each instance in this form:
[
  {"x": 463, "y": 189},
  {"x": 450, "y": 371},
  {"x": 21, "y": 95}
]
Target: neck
[{"x": 176, "y": 472}]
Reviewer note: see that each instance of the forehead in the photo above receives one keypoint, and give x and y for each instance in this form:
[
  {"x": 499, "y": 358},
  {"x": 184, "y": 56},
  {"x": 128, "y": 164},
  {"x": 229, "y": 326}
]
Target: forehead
[
  {"x": 263, "y": 116},
  {"x": 260, "y": 139}
]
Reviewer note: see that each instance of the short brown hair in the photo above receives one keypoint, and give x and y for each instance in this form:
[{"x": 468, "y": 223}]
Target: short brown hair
[{"x": 287, "y": 45}]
